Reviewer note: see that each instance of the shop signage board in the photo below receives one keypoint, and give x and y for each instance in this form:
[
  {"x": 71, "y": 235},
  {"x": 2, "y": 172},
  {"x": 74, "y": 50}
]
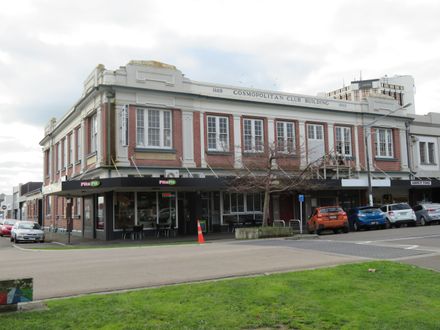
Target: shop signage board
[{"x": 420, "y": 183}]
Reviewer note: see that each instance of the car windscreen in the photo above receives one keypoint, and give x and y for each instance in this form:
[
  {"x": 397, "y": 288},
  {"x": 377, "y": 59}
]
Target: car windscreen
[
  {"x": 369, "y": 210},
  {"x": 29, "y": 226},
  {"x": 402, "y": 206},
  {"x": 330, "y": 210},
  {"x": 432, "y": 206}
]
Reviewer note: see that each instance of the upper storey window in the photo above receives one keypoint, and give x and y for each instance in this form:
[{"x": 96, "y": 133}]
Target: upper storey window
[
  {"x": 153, "y": 128},
  {"x": 253, "y": 135},
  {"x": 218, "y": 133},
  {"x": 93, "y": 133},
  {"x": 384, "y": 142},
  {"x": 285, "y": 137},
  {"x": 343, "y": 141}
]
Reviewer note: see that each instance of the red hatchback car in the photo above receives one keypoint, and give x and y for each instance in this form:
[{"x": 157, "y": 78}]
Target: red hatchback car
[
  {"x": 327, "y": 218},
  {"x": 5, "y": 228}
]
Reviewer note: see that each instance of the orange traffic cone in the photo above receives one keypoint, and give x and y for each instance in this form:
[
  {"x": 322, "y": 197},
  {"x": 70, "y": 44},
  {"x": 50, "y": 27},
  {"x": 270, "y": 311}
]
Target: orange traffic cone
[{"x": 200, "y": 234}]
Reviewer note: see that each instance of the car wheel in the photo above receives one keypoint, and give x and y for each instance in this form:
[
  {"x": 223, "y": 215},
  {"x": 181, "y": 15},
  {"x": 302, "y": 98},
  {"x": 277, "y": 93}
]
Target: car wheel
[
  {"x": 388, "y": 224},
  {"x": 423, "y": 221},
  {"x": 355, "y": 226},
  {"x": 12, "y": 239},
  {"x": 397, "y": 225},
  {"x": 317, "y": 231},
  {"x": 335, "y": 231},
  {"x": 345, "y": 230}
]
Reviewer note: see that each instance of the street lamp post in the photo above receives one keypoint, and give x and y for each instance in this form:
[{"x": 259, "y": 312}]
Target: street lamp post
[{"x": 367, "y": 134}]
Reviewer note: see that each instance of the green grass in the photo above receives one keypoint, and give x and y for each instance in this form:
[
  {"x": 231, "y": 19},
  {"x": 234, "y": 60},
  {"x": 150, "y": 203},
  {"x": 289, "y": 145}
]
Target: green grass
[{"x": 396, "y": 296}]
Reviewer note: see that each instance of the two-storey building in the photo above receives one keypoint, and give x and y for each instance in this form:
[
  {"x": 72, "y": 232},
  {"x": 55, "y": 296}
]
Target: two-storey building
[{"x": 144, "y": 145}]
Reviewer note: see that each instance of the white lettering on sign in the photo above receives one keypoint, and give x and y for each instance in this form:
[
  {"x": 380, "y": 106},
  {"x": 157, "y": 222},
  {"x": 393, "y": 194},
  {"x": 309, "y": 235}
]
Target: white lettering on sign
[{"x": 420, "y": 183}]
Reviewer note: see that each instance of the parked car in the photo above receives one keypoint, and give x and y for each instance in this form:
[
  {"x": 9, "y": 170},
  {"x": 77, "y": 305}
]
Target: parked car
[
  {"x": 327, "y": 218},
  {"x": 366, "y": 217},
  {"x": 398, "y": 214},
  {"x": 27, "y": 231},
  {"x": 5, "y": 228},
  {"x": 427, "y": 213}
]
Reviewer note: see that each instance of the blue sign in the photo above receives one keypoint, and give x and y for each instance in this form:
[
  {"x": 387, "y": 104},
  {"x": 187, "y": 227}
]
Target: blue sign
[{"x": 300, "y": 198}]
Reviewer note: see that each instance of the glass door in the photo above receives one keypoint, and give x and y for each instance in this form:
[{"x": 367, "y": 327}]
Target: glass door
[{"x": 88, "y": 228}]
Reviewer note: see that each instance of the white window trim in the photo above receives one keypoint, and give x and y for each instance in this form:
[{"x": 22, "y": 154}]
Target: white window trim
[
  {"x": 124, "y": 126},
  {"x": 59, "y": 156},
  {"x": 245, "y": 206},
  {"x": 78, "y": 144},
  {"x": 161, "y": 129},
  {"x": 94, "y": 133},
  {"x": 253, "y": 145},
  {"x": 388, "y": 140},
  {"x": 342, "y": 135},
  {"x": 219, "y": 146},
  {"x": 428, "y": 161},
  {"x": 285, "y": 138},
  {"x": 315, "y": 132},
  {"x": 71, "y": 138}
]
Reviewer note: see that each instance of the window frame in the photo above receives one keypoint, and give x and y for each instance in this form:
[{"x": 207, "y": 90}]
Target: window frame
[
  {"x": 388, "y": 141},
  {"x": 254, "y": 148},
  {"x": 284, "y": 138},
  {"x": 143, "y": 131},
  {"x": 342, "y": 141},
  {"x": 315, "y": 132},
  {"x": 93, "y": 130},
  {"x": 219, "y": 146}
]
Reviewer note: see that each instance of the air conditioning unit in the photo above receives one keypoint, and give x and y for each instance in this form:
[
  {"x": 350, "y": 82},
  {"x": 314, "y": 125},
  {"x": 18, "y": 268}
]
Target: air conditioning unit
[{"x": 171, "y": 173}]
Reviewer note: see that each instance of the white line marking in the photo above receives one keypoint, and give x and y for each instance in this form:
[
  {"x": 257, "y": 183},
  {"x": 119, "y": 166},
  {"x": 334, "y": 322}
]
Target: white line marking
[{"x": 411, "y": 247}]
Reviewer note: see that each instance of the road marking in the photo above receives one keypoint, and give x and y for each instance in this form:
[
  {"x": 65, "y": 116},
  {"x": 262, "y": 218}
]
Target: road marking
[{"x": 411, "y": 247}]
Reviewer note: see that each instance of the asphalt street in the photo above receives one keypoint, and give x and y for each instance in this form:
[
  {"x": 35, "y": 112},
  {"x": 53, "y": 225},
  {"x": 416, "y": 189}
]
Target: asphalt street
[{"x": 59, "y": 273}]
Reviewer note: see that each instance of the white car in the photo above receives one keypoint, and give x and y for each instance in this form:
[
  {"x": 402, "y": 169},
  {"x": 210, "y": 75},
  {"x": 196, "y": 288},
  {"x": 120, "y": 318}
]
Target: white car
[
  {"x": 27, "y": 231},
  {"x": 398, "y": 214}
]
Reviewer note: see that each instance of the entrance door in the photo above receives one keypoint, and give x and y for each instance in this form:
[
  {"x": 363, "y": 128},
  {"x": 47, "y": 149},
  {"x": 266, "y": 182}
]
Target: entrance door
[{"x": 88, "y": 227}]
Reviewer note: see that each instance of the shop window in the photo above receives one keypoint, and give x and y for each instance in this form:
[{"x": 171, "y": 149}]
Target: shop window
[
  {"x": 100, "y": 215},
  {"x": 147, "y": 209},
  {"x": 124, "y": 210},
  {"x": 241, "y": 203}
]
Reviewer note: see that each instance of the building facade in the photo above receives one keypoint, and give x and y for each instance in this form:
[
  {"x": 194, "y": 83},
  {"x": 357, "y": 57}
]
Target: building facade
[
  {"x": 145, "y": 145},
  {"x": 399, "y": 87}
]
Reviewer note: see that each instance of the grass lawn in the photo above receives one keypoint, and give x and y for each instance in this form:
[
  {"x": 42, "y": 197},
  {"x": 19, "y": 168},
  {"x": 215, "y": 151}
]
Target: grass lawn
[{"x": 396, "y": 296}]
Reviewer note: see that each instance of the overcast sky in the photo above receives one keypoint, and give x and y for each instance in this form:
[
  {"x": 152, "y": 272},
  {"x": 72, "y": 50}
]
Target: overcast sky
[{"x": 48, "y": 47}]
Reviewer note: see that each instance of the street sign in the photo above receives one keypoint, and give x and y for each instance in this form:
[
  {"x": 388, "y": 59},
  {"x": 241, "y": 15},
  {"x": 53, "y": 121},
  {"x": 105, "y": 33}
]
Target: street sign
[{"x": 300, "y": 198}]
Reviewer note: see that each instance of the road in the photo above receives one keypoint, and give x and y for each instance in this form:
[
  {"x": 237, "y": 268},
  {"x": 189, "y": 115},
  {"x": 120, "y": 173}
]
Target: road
[{"x": 59, "y": 273}]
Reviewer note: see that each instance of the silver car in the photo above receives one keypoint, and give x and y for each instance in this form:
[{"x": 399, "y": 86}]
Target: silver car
[
  {"x": 427, "y": 213},
  {"x": 27, "y": 231},
  {"x": 398, "y": 214}
]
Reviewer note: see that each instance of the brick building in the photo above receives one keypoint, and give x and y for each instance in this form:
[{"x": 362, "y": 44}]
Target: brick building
[{"x": 145, "y": 145}]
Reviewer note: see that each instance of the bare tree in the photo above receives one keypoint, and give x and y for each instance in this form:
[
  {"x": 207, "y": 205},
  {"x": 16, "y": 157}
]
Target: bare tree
[{"x": 265, "y": 174}]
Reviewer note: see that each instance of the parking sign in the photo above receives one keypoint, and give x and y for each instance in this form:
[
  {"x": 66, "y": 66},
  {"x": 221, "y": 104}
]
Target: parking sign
[{"x": 300, "y": 198}]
